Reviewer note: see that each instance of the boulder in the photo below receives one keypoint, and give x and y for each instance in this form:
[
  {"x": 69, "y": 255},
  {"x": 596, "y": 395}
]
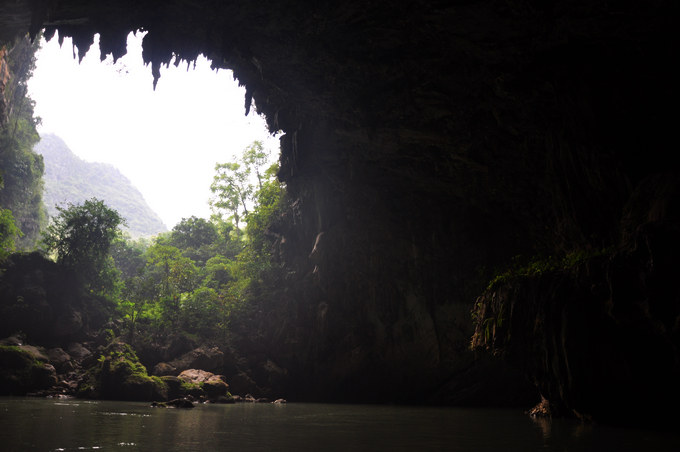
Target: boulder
[
  {"x": 272, "y": 375},
  {"x": 77, "y": 351},
  {"x": 113, "y": 327},
  {"x": 120, "y": 376},
  {"x": 174, "y": 385},
  {"x": 36, "y": 352},
  {"x": 243, "y": 384},
  {"x": 18, "y": 371},
  {"x": 67, "y": 367},
  {"x": 181, "y": 403},
  {"x": 67, "y": 322},
  {"x": 104, "y": 337},
  {"x": 204, "y": 358},
  {"x": 215, "y": 388},
  {"x": 165, "y": 369},
  {"x": 195, "y": 376},
  {"x": 212, "y": 386},
  {"x": 58, "y": 357},
  {"x": 11, "y": 341},
  {"x": 44, "y": 376}
]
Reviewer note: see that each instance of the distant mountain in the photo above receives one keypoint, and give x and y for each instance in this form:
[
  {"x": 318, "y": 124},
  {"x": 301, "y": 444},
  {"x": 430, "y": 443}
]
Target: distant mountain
[{"x": 71, "y": 179}]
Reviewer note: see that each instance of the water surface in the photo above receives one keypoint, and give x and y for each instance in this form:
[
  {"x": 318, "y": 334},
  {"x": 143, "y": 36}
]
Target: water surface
[{"x": 29, "y": 424}]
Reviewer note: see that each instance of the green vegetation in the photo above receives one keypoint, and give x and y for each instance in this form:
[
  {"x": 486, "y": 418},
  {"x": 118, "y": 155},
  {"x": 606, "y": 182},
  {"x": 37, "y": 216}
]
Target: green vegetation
[
  {"x": 68, "y": 179},
  {"x": 540, "y": 265},
  {"x": 21, "y": 169},
  {"x": 81, "y": 236},
  {"x": 195, "y": 279},
  {"x": 8, "y": 233},
  {"x": 81, "y": 270},
  {"x": 191, "y": 282}
]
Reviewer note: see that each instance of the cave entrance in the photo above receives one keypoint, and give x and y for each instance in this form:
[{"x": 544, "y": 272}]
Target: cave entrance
[{"x": 167, "y": 140}]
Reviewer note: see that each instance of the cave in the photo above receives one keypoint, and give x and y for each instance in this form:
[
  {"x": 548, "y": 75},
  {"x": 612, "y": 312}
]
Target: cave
[{"x": 425, "y": 144}]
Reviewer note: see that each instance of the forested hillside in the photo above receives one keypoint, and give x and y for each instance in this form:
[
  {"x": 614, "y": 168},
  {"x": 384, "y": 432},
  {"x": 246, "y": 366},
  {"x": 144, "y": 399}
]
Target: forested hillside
[{"x": 71, "y": 179}]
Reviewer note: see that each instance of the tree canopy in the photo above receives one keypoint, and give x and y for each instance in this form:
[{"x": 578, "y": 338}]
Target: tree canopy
[{"x": 81, "y": 236}]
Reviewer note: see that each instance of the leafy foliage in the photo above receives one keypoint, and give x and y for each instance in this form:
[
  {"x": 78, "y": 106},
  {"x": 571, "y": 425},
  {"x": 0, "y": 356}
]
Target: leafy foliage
[
  {"x": 202, "y": 274},
  {"x": 231, "y": 187},
  {"x": 81, "y": 236},
  {"x": 192, "y": 282},
  {"x": 8, "y": 232}
]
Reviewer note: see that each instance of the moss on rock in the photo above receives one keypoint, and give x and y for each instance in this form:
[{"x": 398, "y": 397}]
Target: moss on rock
[
  {"x": 118, "y": 375},
  {"x": 21, "y": 373}
]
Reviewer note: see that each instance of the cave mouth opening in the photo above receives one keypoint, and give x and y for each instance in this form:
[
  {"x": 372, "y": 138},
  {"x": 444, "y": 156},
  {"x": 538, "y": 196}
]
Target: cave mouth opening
[{"x": 109, "y": 112}]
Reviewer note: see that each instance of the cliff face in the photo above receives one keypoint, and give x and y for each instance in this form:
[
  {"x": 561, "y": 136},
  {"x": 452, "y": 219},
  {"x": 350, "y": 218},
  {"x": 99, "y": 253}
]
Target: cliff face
[
  {"x": 425, "y": 144},
  {"x": 601, "y": 338}
]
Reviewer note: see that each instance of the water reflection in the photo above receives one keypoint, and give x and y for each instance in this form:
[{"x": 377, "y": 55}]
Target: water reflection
[
  {"x": 570, "y": 435},
  {"x": 44, "y": 425}
]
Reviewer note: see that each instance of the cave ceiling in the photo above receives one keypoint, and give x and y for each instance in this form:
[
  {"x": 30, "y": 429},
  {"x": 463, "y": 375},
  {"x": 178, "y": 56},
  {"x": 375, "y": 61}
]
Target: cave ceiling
[{"x": 470, "y": 84}]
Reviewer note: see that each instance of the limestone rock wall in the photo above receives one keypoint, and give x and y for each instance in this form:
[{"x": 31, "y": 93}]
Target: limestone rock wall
[{"x": 601, "y": 338}]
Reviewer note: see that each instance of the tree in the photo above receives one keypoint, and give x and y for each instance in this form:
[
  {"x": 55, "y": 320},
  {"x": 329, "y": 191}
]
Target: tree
[
  {"x": 231, "y": 187},
  {"x": 193, "y": 233},
  {"x": 138, "y": 291},
  {"x": 81, "y": 236},
  {"x": 255, "y": 157},
  {"x": 177, "y": 275},
  {"x": 254, "y": 262},
  {"x": 129, "y": 256},
  {"x": 231, "y": 190}
]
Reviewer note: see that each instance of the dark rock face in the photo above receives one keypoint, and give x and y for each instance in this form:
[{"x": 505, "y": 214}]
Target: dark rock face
[
  {"x": 242, "y": 384},
  {"x": 44, "y": 302},
  {"x": 174, "y": 384},
  {"x": 602, "y": 339},
  {"x": 58, "y": 357},
  {"x": 77, "y": 351},
  {"x": 425, "y": 144},
  {"x": 204, "y": 358},
  {"x": 67, "y": 322},
  {"x": 20, "y": 373}
]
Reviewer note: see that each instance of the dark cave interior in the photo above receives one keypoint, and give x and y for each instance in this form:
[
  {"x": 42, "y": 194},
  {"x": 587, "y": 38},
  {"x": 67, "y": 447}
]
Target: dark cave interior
[{"x": 427, "y": 143}]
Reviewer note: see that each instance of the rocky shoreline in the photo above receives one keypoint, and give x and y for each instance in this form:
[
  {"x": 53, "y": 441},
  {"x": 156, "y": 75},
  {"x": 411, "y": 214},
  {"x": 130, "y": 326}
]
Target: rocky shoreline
[{"x": 107, "y": 368}]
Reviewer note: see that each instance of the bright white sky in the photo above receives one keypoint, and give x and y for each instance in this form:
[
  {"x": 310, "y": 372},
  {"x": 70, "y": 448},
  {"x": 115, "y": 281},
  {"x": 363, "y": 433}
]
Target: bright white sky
[{"x": 165, "y": 141}]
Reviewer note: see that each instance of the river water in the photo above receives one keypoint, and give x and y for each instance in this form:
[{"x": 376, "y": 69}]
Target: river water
[{"x": 29, "y": 424}]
